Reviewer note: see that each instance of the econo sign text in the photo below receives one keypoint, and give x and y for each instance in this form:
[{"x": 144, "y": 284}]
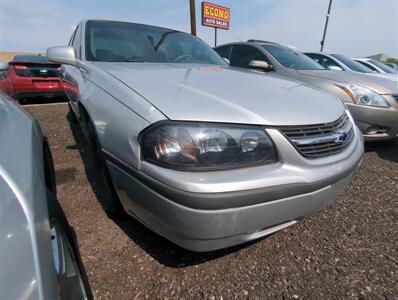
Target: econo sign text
[{"x": 215, "y": 16}]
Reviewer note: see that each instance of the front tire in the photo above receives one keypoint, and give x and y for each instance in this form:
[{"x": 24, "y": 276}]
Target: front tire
[
  {"x": 72, "y": 114},
  {"x": 110, "y": 201}
]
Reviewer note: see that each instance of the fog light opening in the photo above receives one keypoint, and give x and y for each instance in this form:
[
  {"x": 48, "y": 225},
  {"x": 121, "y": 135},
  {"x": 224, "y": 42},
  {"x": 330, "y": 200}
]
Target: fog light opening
[{"x": 375, "y": 130}]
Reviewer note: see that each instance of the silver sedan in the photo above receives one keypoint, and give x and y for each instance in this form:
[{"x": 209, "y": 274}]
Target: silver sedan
[{"x": 203, "y": 154}]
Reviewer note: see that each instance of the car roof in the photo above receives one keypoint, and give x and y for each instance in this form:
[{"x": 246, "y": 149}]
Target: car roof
[
  {"x": 256, "y": 43},
  {"x": 261, "y": 42},
  {"x": 360, "y": 58},
  {"x": 317, "y": 52}
]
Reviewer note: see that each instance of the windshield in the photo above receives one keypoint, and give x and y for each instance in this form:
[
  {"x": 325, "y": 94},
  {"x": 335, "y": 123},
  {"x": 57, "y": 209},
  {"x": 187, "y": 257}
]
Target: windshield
[
  {"x": 352, "y": 64},
  {"x": 128, "y": 42},
  {"x": 292, "y": 59},
  {"x": 384, "y": 67},
  {"x": 32, "y": 58}
]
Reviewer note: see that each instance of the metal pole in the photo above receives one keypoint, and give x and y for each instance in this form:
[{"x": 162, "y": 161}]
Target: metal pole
[
  {"x": 326, "y": 25},
  {"x": 215, "y": 36},
  {"x": 193, "y": 16}
]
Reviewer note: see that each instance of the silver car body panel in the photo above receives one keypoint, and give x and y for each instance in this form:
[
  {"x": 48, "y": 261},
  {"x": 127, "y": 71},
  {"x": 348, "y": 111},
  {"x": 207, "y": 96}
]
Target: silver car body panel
[
  {"x": 122, "y": 99},
  {"x": 200, "y": 93},
  {"x": 16, "y": 249},
  {"x": 25, "y": 238}
]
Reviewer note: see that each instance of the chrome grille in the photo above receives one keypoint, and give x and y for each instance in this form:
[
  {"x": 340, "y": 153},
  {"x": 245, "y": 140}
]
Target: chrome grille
[{"x": 320, "y": 140}]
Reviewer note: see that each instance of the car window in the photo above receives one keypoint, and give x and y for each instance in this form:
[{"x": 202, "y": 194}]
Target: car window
[
  {"x": 223, "y": 51},
  {"x": 382, "y": 66},
  {"x": 242, "y": 55},
  {"x": 292, "y": 59},
  {"x": 323, "y": 60},
  {"x": 352, "y": 64},
  {"x": 368, "y": 65},
  {"x": 128, "y": 42},
  {"x": 77, "y": 42}
]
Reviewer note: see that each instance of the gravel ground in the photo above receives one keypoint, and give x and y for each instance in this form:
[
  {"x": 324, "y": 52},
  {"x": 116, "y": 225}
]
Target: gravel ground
[{"x": 349, "y": 250}]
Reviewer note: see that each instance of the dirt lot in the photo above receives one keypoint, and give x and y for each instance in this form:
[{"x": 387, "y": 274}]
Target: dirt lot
[
  {"x": 7, "y": 56},
  {"x": 349, "y": 250}
]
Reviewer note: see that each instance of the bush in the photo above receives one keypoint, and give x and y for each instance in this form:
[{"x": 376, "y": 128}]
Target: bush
[{"x": 392, "y": 61}]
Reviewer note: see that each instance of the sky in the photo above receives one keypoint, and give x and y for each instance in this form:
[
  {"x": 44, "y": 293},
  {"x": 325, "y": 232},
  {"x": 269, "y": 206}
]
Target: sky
[{"x": 357, "y": 28}]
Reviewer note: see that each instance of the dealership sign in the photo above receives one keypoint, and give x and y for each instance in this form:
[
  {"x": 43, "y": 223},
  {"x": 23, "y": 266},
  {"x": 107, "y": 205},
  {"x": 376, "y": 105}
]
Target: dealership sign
[{"x": 215, "y": 15}]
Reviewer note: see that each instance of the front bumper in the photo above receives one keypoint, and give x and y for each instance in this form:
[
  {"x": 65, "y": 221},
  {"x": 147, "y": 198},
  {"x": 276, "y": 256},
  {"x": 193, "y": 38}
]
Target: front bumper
[
  {"x": 207, "y": 230},
  {"x": 205, "y": 221},
  {"x": 38, "y": 87},
  {"x": 369, "y": 118}
]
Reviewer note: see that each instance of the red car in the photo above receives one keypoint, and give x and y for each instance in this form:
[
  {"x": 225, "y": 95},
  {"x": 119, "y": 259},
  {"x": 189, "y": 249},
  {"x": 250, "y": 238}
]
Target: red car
[
  {"x": 5, "y": 81},
  {"x": 34, "y": 76}
]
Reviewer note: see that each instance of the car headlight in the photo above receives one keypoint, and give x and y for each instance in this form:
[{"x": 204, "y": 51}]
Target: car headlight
[
  {"x": 362, "y": 95},
  {"x": 193, "y": 146}
]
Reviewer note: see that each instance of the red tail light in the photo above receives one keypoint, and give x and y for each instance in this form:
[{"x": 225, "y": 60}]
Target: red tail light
[{"x": 19, "y": 67}]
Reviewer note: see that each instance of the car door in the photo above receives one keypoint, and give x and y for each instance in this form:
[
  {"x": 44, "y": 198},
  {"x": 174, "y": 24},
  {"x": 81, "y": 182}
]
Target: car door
[{"x": 242, "y": 55}]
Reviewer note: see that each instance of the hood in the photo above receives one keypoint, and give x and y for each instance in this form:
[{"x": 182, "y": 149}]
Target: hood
[
  {"x": 189, "y": 92},
  {"x": 382, "y": 85},
  {"x": 385, "y": 75}
]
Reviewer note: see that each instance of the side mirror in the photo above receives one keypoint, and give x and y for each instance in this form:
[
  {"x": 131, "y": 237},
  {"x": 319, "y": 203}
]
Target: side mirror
[
  {"x": 335, "y": 68},
  {"x": 3, "y": 66},
  {"x": 226, "y": 60},
  {"x": 63, "y": 54},
  {"x": 260, "y": 64}
]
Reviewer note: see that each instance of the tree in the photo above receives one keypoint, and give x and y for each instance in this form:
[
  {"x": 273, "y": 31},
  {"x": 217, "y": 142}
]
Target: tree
[{"x": 392, "y": 61}]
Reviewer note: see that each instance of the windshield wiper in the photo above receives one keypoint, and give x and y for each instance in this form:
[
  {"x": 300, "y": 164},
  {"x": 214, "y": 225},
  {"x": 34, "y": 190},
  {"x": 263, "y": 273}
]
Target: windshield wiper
[{"x": 133, "y": 60}]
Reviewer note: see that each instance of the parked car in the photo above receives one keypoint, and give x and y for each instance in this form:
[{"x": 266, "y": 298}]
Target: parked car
[
  {"x": 5, "y": 81},
  {"x": 372, "y": 100},
  {"x": 38, "y": 256},
  {"x": 377, "y": 66},
  {"x": 338, "y": 62},
  {"x": 205, "y": 155},
  {"x": 34, "y": 76}
]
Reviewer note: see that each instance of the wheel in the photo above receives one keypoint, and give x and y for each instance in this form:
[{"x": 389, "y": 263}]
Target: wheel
[
  {"x": 72, "y": 114},
  {"x": 72, "y": 279}
]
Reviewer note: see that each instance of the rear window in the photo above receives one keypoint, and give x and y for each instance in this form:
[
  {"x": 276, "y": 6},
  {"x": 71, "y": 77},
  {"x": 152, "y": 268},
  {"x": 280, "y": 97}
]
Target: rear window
[{"x": 32, "y": 58}]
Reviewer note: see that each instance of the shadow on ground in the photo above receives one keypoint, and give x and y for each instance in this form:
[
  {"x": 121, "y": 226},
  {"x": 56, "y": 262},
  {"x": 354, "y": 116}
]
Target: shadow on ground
[
  {"x": 42, "y": 100},
  {"x": 158, "y": 247},
  {"x": 387, "y": 150}
]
